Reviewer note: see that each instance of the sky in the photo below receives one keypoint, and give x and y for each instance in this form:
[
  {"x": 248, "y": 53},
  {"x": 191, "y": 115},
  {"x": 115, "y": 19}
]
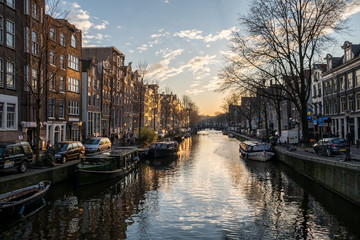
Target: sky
[{"x": 184, "y": 42}]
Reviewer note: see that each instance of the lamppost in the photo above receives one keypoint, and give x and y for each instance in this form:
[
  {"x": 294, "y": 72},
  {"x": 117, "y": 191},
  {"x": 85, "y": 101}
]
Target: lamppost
[
  {"x": 80, "y": 125},
  {"x": 347, "y": 115}
]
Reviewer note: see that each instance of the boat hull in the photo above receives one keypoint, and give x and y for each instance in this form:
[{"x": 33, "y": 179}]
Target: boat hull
[
  {"x": 13, "y": 204},
  {"x": 258, "y": 156}
]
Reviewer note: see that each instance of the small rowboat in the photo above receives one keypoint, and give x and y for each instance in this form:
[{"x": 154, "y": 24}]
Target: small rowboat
[
  {"x": 13, "y": 204},
  {"x": 256, "y": 151}
]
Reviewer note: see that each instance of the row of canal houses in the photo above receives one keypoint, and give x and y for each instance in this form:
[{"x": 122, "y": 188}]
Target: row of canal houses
[
  {"x": 335, "y": 91},
  {"x": 71, "y": 91}
]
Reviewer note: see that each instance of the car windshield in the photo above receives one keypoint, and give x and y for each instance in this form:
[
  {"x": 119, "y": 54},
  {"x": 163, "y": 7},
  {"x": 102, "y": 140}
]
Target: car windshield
[
  {"x": 2, "y": 150},
  {"x": 92, "y": 141},
  {"x": 60, "y": 146},
  {"x": 339, "y": 140}
]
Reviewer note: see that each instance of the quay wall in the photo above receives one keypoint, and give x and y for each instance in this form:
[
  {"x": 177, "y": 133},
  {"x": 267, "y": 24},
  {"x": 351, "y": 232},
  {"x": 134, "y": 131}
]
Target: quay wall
[
  {"x": 55, "y": 174},
  {"x": 342, "y": 178}
]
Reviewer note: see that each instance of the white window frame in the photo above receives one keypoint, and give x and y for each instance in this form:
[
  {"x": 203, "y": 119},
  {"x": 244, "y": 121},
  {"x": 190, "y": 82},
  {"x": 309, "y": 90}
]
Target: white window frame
[
  {"x": 34, "y": 79},
  {"x": 51, "y": 107},
  {"x": 74, "y": 108},
  {"x": 10, "y": 75},
  {"x": 73, "y": 41},
  {"x": 350, "y": 81},
  {"x": 35, "y": 11},
  {"x": 5, "y": 100},
  {"x": 73, "y": 85},
  {"x": 2, "y": 76},
  {"x": 27, "y": 7},
  {"x": 10, "y": 3},
  {"x": 73, "y": 62},
  {"x": 10, "y": 34},
  {"x": 62, "y": 39},
  {"x": 61, "y": 111},
  {"x": 62, "y": 62},
  {"x": 35, "y": 43},
  {"x": 52, "y": 34},
  {"x": 62, "y": 87},
  {"x": 1, "y": 29},
  {"x": 52, "y": 58}
]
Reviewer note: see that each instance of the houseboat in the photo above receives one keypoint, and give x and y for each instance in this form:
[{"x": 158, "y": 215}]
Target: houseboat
[
  {"x": 108, "y": 165},
  {"x": 163, "y": 149}
]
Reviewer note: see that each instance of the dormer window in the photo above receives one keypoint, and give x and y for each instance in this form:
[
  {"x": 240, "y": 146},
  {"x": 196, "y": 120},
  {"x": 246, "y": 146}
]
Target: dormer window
[{"x": 348, "y": 54}]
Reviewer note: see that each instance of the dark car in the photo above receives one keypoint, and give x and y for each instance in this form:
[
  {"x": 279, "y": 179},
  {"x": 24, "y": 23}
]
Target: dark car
[
  {"x": 15, "y": 154},
  {"x": 67, "y": 150},
  {"x": 330, "y": 146}
]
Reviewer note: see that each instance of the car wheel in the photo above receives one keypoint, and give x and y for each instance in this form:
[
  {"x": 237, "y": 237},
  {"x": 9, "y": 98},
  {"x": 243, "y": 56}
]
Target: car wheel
[
  {"x": 63, "y": 159},
  {"x": 328, "y": 152},
  {"x": 23, "y": 167}
]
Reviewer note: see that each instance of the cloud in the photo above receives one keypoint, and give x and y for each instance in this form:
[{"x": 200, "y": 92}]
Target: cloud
[
  {"x": 213, "y": 84},
  {"x": 190, "y": 34},
  {"x": 80, "y": 18},
  {"x": 102, "y": 26},
  {"x": 194, "y": 91},
  {"x": 352, "y": 9},
  {"x": 224, "y": 34}
]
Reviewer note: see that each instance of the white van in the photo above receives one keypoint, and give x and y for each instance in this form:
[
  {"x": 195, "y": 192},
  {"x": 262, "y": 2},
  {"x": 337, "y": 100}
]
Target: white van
[{"x": 291, "y": 135}]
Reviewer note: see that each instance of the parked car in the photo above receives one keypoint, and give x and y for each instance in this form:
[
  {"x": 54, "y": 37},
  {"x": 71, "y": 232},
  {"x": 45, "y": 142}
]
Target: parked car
[
  {"x": 67, "y": 150},
  {"x": 15, "y": 154},
  {"x": 330, "y": 146},
  {"x": 97, "y": 144}
]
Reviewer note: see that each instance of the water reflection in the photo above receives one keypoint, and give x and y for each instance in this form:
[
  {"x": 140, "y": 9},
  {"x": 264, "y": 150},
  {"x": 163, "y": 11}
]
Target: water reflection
[{"x": 206, "y": 192}]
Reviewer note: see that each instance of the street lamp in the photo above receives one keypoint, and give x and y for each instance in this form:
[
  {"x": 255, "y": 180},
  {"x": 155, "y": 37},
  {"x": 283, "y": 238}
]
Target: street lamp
[{"x": 347, "y": 115}]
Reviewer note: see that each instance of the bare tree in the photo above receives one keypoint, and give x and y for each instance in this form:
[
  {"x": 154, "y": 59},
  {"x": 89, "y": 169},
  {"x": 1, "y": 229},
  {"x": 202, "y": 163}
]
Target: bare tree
[
  {"x": 280, "y": 42},
  {"x": 41, "y": 77}
]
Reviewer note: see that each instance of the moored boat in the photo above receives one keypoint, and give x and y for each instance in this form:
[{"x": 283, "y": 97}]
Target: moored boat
[
  {"x": 256, "y": 151},
  {"x": 163, "y": 149},
  {"x": 108, "y": 165},
  {"x": 13, "y": 204}
]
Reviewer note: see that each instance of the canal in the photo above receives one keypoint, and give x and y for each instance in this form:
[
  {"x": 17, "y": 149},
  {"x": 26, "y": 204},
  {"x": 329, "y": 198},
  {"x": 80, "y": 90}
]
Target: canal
[{"x": 207, "y": 192}]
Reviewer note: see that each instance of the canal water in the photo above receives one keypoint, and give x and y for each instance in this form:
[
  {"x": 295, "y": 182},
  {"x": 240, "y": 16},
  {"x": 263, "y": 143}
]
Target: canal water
[{"x": 207, "y": 192}]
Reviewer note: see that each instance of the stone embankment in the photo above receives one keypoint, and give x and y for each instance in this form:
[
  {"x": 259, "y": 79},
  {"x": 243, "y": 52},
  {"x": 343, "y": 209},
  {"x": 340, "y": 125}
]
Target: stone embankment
[{"x": 340, "y": 177}]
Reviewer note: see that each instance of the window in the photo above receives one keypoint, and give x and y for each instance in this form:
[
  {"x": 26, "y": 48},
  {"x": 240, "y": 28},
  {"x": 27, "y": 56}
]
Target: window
[
  {"x": 1, "y": 114},
  {"x": 27, "y": 39},
  {"x": 351, "y": 102},
  {"x": 357, "y": 78},
  {"x": 358, "y": 101},
  {"x": 62, "y": 39},
  {"x": 74, "y": 108},
  {"x": 348, "y": 54},
  {"x": 89, "y": 81},
  {"x": 27, "y": 7},
  {"x": 35, "y": 11},
  {"x": 89, "y": 98},
  {"x": 74, "y": 85},
  {"x": 342, "y": 104},
  {"x": 52, "y": 58},
  {"x": 10, "y": 34},
  {"x": 52, "y": 34},
  {"x": 52, "y": 81},
  {"x": 35, "y": 43},
  {"x": 342, "y": 84},
  {"x": 61, "y": 108},
  {"x": 73, "y": 62},
  {"x": 10, "y": 75},
  {"x": 10, "y": 116},
  {"x": 26, "y": 77},
  {"x": 34, "y": 79},
  {"x": 335, "y": 86},
  {"x": 350, "y": 81},
  {"x": 51, "y": 107},
  {"x": 63, "y": 62},
  {"x": 73, "y": 41},
  {"x": 1, "y": 29},
  {"x": 1, "y": 73},
  {"x": 10, "y": 3},
  {"x": 62, "y": 84}
]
